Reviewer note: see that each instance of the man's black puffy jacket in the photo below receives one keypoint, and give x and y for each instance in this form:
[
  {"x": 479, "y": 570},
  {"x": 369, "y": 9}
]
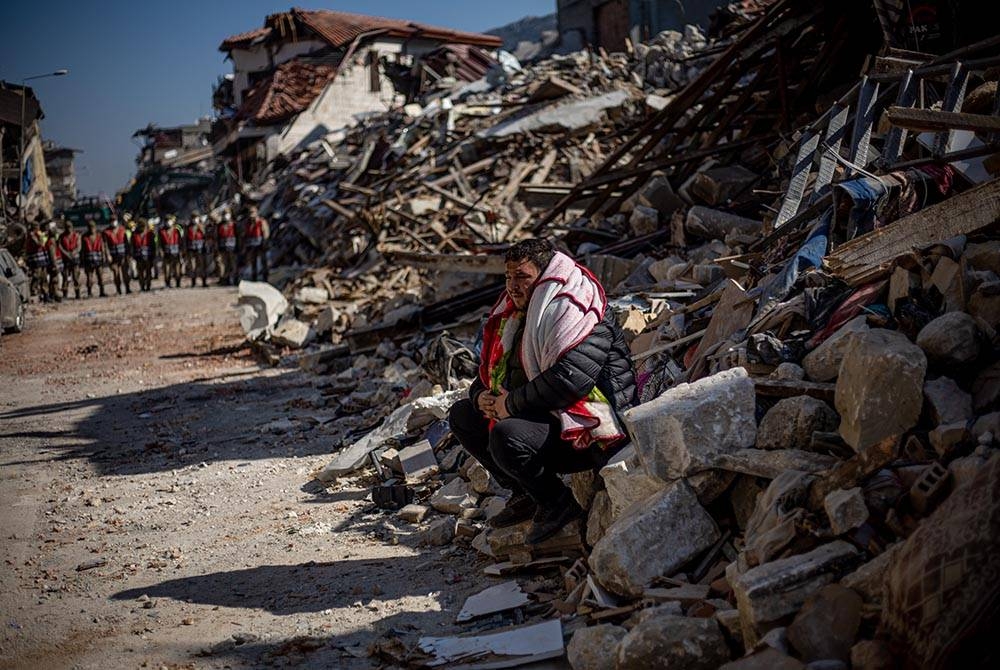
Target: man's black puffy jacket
[{"x": 602, "y": 360}]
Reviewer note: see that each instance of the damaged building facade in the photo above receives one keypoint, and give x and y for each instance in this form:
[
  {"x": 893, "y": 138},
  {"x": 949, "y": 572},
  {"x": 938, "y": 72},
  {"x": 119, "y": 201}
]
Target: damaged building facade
[
  {"x": 306, "y": 74},
  {"x": 24, "y": 181}
]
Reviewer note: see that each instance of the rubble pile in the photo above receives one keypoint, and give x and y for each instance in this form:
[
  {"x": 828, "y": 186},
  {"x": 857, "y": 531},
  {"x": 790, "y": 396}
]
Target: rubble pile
[{"x": 806, "y": 268}]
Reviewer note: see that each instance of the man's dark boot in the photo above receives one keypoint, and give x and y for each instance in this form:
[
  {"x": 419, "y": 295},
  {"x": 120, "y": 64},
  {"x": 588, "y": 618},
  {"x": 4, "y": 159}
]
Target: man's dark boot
[
  {"x": 550, "y": 519},
  {"x": 519, "y": 508}
]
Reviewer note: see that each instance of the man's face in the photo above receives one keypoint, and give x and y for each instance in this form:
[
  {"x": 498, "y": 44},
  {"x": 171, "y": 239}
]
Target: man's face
[{"x": 521, "y": 278}]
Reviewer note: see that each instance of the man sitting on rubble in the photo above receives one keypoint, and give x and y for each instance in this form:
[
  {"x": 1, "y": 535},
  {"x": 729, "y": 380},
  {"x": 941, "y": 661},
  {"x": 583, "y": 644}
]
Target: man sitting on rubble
[{"x": 554, "y": 373}]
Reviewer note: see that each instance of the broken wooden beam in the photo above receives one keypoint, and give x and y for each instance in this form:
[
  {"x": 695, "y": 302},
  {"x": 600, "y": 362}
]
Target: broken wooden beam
[
  {"x": 933, "y": 120},
  {"x": 488, "y": 264},
  {"x": 870, "y": 256}
]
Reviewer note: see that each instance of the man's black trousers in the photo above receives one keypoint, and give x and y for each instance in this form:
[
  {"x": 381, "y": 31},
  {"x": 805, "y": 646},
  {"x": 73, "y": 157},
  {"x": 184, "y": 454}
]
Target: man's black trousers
[{"x": 525, "y": 455}]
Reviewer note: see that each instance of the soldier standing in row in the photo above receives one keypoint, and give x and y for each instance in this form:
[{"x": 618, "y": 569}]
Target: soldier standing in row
[
  {"x": 170, "y": 244},
  {"x": 197, "y": 250},
  {"x": 69, "y": 247},
  {"x": 95, "y": 255},
  {"x": 55, "y": 264},
  {"x": 114, "y": 237},
  {"x": 38, "y": 260},
  {"x": 144, "y": 253},
  {"x": 255, "y": 244},
  {"x": 226, "y": 236}
]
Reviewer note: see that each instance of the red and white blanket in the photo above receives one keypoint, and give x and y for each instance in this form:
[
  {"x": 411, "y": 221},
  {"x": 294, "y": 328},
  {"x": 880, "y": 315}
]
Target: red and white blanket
[{"x": 565, "y": 306}]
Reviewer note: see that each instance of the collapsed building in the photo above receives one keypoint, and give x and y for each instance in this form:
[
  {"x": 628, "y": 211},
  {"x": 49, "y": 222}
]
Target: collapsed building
[{"x": 796, "y": 219}]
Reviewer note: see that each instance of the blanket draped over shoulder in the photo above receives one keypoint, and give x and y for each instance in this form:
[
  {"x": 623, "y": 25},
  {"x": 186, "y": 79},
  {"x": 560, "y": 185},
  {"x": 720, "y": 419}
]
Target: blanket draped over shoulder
[{"x": 565, "y": 306}]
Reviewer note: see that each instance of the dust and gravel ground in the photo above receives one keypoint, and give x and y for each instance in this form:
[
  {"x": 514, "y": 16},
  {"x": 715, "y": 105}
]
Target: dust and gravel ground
[{"x": 156, "y": 506}]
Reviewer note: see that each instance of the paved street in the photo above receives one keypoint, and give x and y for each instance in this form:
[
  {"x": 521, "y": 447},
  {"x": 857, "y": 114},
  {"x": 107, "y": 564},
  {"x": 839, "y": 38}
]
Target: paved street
[{"x": 157, "y": 510}]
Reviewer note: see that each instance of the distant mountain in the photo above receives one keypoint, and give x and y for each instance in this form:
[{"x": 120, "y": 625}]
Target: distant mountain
[{"x": 527, "y": 38}]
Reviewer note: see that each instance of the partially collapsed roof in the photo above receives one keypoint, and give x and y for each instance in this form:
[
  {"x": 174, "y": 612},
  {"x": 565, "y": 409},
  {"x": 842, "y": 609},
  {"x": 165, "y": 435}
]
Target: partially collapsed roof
[
  {"x": 290, "y": 89},
  {"x": 339, "y": 29}
]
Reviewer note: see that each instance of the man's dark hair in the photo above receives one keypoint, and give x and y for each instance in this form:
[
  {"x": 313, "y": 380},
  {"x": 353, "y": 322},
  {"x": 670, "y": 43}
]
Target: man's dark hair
[{"x": 536, "y": 250}]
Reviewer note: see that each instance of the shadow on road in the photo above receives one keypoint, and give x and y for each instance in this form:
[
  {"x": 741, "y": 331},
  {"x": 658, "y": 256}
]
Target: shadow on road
[{"x": 219, "y": 418}]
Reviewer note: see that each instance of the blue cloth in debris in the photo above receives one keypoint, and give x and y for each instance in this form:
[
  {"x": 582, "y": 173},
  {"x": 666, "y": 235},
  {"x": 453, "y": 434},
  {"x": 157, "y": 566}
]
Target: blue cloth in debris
[
  {"x": 809, "y": 255},
  {"x": 865, "y": 194}
]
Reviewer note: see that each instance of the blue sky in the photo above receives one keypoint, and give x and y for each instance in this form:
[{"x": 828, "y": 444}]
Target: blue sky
[{"x": 135, "y": 62}]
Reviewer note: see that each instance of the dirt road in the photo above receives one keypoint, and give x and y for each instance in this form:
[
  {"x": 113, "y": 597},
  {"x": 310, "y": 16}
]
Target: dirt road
[{"x": 157, "y": 511}]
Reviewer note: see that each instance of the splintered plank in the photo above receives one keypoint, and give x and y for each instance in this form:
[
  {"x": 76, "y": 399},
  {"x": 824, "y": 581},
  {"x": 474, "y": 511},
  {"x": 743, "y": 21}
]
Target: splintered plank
[{"x": 869, "y": 256}]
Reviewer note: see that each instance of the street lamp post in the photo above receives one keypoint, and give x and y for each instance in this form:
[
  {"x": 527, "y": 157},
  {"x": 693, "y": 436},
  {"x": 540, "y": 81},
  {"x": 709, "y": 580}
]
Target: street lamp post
[{"x": 20, "y": 158}]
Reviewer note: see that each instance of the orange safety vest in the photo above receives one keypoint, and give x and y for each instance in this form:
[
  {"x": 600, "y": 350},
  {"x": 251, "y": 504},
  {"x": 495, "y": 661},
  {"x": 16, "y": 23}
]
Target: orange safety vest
[
  {"x": 171, "y": 241},
  {"x": 195, "y": 238},
  {"x": 34, "y": 249},
  {"x": 70, "y": 242},
  {"x": 53, "y": 249},
  {"x": 116, "y": 242},
  {"x": 227, "y": 235},
  {"x": 93, "y": 250},
  {"x": 142, "y": 245},
  {"x": 255, "y": 233}
]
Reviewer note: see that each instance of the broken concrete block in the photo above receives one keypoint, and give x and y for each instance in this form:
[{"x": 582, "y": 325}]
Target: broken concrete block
[
  {"x": 773, "y": 462},
  {"x": 652, "y": 538},
  {"x": 846, "y": 509},
  {"x": 673, "y": 642},
  {"x": 792, "y": 421},
  {"x": 599, "y": 517},
  {"x": 946, "y": 402},
  {"x": 788, "y": 372},
  {"x": 714, "y": 224},
  {"x": 644, "y": 220},
  {"x": 686, "y": 428},
  {"x": 707, "y": 274},
  {"x": 946, "y": 437},
  {"x": 879, "y": 390},
  {"x": 647, "y": 613},
  {"x": 626, "y": 481},
  {"x": 930, "y": 488},
  {"x": 582, "y": 486},
  {"x": 708, "y": 485},
  {"x": 312, "y": 295},
  {"x": 827, "y": 624},
  {"x": 492, "y": 505},
  {"x": 659, "y": 195},
  {"x": 948, "y": 279},
  {"x": 868, "y": 580},
  {"x": 594, "y": 648},
  {"x": 326, "y": 320},
  {"x": 952, "y": 339},
  {"x": 902, "y": 284},
  {"x": 823, "y": 363},
  {"x": 263, "y": 304},
  {"x": 873, "y": 655},
  {"x": 413, "y": 513},
  {"x": 418, "y": 462},
  {"x": 987, "y": 424},
  {"x": 986, "y": 388},
  {"x": 453, "y": 497},
  {"x": 984, "y": 303},
  {"x": 771, "y": 591},
  {"x": 983, "y": 256},
  {"x": 293, "y": 333},
  {"x": 729, "y": 623},
  {"x": 438, "y": 533},
  {"x": 717, "y": 185},
  {"x": 768, "y": 658},
  {"x": 480, "y": 479}
]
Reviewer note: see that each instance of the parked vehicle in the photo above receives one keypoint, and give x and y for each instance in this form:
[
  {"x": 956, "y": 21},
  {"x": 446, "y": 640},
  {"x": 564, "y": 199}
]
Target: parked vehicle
[{"x": 14, "y": 293}]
